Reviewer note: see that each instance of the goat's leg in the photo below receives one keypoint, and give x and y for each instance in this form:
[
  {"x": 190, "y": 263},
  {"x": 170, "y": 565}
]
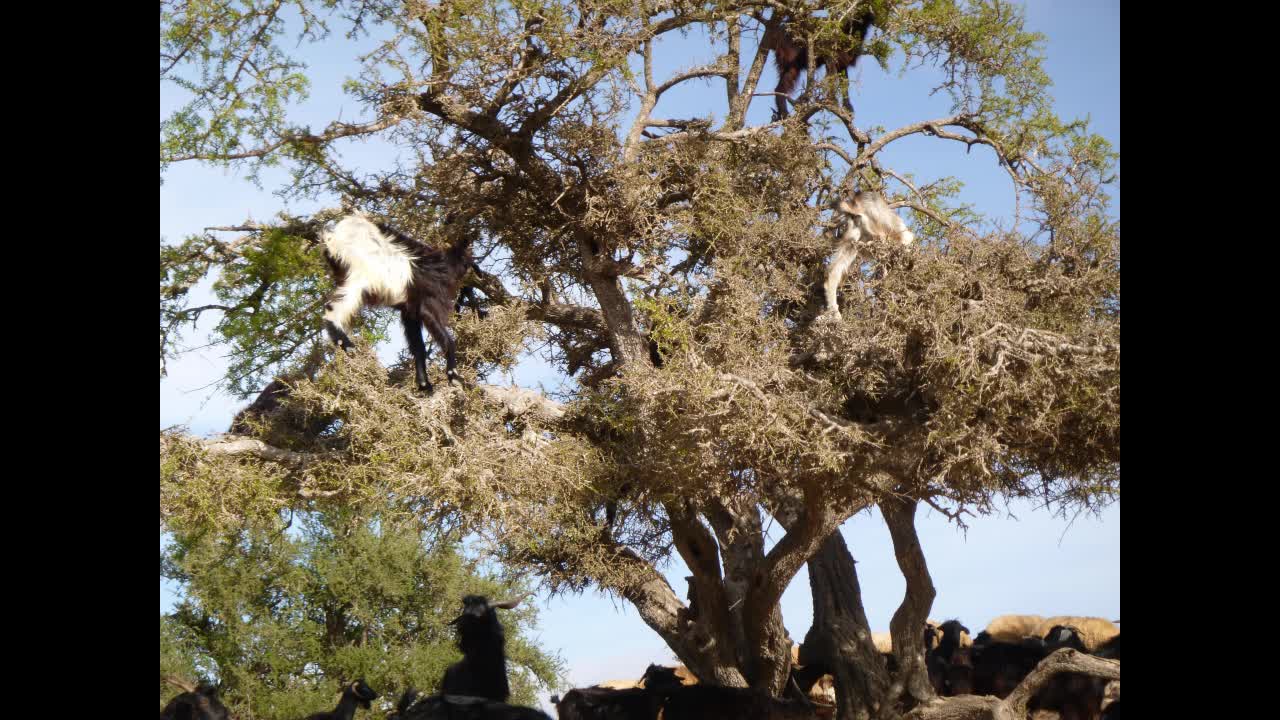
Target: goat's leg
[
  {"x": 413, "y": 334},
  {"x": 845, "y": 255},
  {"x": 467, "y": 299},
  {"x": 442, "y": 337},
  {"x": 788, "y": 78},
  {"x": 344, "y": 304},
  {"x": 848, "y": 88}
]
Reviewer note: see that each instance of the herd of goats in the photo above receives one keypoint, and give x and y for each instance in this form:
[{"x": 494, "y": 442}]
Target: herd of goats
[
  {"x": 993, "y": 663},
  {"x": 376, "y": 265}
]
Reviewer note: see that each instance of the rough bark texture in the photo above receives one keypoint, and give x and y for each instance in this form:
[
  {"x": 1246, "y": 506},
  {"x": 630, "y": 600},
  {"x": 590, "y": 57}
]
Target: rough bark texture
[
  {"x": 839, "y": 641},
  {"x": 1014, "y": 707},
  {"x": 908, "y": 620},
  {"x": 712, "y": 624}
]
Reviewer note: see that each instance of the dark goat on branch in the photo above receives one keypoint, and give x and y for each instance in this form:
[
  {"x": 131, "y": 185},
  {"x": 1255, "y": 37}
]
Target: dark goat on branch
[
  {"x": 200, "y": 704},
  {"x": 482, "y": 671},
  {"x": 791, "y": 56},
  {"x": 374, "y": 264},
  {"x": 353, "y": 695}
]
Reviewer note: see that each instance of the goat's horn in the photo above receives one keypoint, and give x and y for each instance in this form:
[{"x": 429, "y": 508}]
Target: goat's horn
[{"x": 509, "y": 604}]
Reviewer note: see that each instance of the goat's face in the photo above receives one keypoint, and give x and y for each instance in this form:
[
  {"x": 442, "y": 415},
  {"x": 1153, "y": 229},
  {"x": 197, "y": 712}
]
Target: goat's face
[
  {"x": 1060, "y": 636},
  {"x": 657, "y": 677},
  {"x": 363, "y": 693},
  {"x": 932, "y": 636},
  {"x": 953, "y": 629}
]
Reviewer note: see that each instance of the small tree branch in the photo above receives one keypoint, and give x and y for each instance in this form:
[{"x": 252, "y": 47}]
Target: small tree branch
[{"x": 335, "y": 131}]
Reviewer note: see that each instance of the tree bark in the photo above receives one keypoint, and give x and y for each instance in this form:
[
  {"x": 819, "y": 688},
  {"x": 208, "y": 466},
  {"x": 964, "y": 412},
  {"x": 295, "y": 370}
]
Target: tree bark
[
  {"x": 839, "y": 641},
  {"x": 1014, "y": 707},
  {"x": 660, "y": 608},
  {"x": 714, "y": 628},
  {"x": 908, "y": 621},
  {"x": 625, "y": 341},
  {"x": 808, "y": 520}
]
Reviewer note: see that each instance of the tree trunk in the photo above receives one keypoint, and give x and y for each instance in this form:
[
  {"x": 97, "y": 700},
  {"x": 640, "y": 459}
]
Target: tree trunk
[
  {"x": 713, "y": 629},
  {"x": 660, "y": 608},
  {"x": 763, "y": 647},
  {"x": 839, "y": 641},
  {"x": 907, "y": 625}
]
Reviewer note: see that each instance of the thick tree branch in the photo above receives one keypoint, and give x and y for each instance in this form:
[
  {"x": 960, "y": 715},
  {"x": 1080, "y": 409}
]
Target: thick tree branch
[
  {"x": 229, "y": 445},
  {"x": 1014, "y": 707},
  {"x": 1060, "y": 661}
]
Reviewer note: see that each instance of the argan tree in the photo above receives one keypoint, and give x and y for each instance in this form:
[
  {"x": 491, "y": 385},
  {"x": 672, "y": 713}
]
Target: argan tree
[
  {"x": 670, "y": 268},
  {"x": 283, "y": 616}
]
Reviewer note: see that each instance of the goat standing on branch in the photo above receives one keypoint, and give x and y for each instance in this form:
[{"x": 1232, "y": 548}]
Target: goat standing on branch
[
  {"x": 791, "y": 56},
  {"x": 482, "y": 671},
  {"x": 868, "y": 219},
  {"x": 374, "y": 264}
]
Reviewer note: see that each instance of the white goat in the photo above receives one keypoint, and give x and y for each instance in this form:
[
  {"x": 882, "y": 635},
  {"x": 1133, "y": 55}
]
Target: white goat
[{"x": 868, "y": 221}]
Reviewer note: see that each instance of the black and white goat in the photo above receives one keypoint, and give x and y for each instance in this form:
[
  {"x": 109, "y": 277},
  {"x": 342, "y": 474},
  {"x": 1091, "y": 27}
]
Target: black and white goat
[
  {"x": 353, "y": 695},
  {"x": 868, "y": 221},
  {"x": 374, "y": 264},
  {"x": 482, "y": 671}
]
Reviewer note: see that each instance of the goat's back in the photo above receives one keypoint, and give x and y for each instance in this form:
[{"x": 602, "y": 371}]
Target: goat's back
[
  {"x": 1012, "y": 628},
  {"x": 1094, "y": 631},
  {"x": 440, "y": 707},
  {"x": 194, "y": 706},
  {"x": 370, "y": 259},
  {"x": 598, "y": 703},
  {"x": 875, "y": 217},
  {"x": 712, "y": 702}
]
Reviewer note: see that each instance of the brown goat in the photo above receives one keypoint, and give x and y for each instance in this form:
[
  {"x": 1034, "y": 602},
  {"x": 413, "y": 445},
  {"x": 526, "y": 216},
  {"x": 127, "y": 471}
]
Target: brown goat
[{"x": 791, "y": 56}]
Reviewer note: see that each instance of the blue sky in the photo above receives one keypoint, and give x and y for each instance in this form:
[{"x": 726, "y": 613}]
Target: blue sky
[{"x": 1036, "y": 563}]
